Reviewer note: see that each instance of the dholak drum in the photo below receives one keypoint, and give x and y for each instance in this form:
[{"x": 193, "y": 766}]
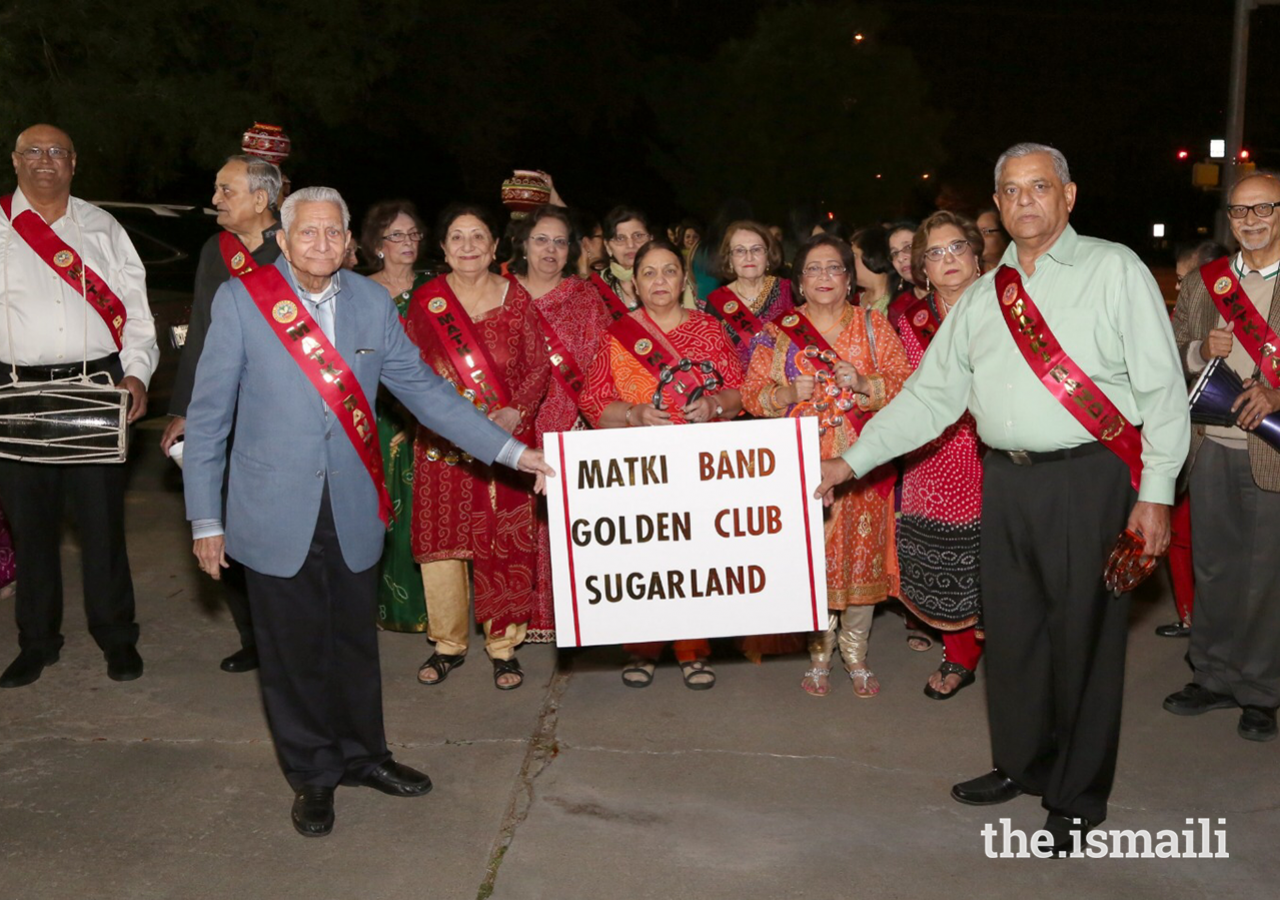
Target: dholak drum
[
  {"x": 71, "y": 421},
  {"x": 1213, "y": 395}
]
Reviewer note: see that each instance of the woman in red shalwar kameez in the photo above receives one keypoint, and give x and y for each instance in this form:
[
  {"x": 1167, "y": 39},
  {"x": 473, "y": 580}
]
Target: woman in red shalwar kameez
[
  {"x": 573, "y": 319},
  {"x": 464, "y": 511},
  {"x": 858, "y": 527},
  {"x": 620, "y": 392}
]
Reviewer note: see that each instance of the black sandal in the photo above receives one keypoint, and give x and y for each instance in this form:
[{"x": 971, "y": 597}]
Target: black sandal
[
  {"x": 950, "y": 668},
  {"x": 442, "y": 664},
  {"x": 507, "y": 667}
]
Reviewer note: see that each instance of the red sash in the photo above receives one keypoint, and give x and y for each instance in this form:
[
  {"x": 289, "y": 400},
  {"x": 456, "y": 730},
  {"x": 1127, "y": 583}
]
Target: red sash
[
  {"x": 319, "y": 360},
  {"x": 802, "y": 333},
  {"x": 1064, "y": 379},
  {"x": 922, "y": 321},
  {"x": 740, "y": 323},
  {"x": 235, "y": 254},
  {"x": 1253, "y": 332},
  {"x": 480, "y": 382},
  {"x": 640, "y": 336},
  {"x": 67, "y": 263},
  {"x": 563, "y": 365},
  {"x": 616, "y": 308}
]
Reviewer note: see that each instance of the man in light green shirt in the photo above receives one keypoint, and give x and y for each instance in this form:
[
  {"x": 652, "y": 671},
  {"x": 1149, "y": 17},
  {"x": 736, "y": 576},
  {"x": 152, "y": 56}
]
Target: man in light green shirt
[{"x": 1054, "y": 498}]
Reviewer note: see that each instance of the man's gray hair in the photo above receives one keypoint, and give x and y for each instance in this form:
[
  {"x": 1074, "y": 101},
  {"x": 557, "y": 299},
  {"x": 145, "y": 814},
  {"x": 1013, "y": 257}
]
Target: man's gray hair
[
  {"x": 312, "y": 195},
  {"x": 1017, "y": 151},
  {"x": 264, "y": 175}
]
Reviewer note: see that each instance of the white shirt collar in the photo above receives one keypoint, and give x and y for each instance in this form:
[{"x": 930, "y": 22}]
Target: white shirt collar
[{"x": 1268, "y": 273}]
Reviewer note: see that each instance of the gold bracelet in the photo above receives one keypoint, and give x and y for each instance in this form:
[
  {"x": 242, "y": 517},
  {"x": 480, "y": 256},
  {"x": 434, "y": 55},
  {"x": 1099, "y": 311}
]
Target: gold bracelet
[{"x": 627, "y": 418}]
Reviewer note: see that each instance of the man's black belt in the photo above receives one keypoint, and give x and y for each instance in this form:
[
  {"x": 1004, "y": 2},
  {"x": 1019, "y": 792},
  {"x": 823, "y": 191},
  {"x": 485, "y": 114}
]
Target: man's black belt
[
  {"x": 64, "y": 370},
  {"x": 1029, "y": 458}
]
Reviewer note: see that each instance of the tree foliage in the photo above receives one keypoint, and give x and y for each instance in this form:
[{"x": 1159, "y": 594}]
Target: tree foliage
[
  {"x": 800, "y": 111},
  {"x": 437, "y": 100}
]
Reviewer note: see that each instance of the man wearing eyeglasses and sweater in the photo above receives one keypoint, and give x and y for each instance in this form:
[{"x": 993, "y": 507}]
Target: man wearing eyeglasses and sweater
[{"x": 1235, "y": 476}]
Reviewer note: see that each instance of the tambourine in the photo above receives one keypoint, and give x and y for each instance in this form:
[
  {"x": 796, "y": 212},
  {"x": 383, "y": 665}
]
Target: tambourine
[
  {"x": 1126, "y": 568},
  {"x": 712, "y": 381},
  {"x": 827, "y": 392}
]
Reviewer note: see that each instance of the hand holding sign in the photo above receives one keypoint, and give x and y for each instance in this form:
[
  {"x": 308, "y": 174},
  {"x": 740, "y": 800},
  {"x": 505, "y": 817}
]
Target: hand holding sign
[
  {"x": 533, "y": 461},
  {"x": 835, "y": 472}
]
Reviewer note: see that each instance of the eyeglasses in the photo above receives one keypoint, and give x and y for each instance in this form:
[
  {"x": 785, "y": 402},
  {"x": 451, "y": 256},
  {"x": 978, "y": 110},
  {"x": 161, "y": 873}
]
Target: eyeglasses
[
  {"x": 955, "y": 248},
  {"x": 987, "y": 231},
  {"x": 639, "y": 238},
  {"x": 744, "y": 252},
  {"x": 1261, "y": 210},
  {"x": 399, "y": 237},
  {"x": 34, "y": 153},
  {"x": 900, "y": 252},
  {"x": 835, "y": 270},
  {"x": 542, "y": 240}
]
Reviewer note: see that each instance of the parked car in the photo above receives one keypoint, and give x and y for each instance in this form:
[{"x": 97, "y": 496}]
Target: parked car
[{"x": 168, "y": 237}]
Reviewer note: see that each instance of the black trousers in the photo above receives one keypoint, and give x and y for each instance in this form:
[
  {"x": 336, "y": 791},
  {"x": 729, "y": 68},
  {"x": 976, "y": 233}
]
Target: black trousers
[
  {"x": 1056, "y": 637},
  {"x": 318, "y": 647},
  {"x": 33, "y": 497},
  {"x": 1235, "y": 644},
  {"x": 235, "y": 595}
]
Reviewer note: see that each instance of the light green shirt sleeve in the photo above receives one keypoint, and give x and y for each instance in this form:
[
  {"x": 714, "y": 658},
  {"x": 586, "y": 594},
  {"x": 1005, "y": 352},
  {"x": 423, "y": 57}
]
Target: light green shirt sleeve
[
  {"x": 1156, "y": 382},
  {"x": 935, "y": 395},
  {"x": 1104, "y": 307}
]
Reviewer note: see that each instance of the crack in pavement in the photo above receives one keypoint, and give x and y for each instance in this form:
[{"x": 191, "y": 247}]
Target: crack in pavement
[
  {"x": 542, "y": 749},
  {"x": 71, "y": 739}
]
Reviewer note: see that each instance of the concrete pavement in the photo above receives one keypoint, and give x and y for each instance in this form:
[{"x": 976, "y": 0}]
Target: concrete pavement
[{"x": 573, "y": 786}]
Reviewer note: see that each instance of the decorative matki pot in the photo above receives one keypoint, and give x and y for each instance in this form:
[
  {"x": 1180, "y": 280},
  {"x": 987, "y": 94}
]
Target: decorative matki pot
[
  {"x": 267, "y": 141},
  {"x": 524, "y": 192}
]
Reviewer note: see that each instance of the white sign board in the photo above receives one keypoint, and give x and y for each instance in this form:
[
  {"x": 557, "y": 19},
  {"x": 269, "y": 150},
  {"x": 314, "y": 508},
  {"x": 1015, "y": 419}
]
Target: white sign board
[{"x": 690, "y": 531}]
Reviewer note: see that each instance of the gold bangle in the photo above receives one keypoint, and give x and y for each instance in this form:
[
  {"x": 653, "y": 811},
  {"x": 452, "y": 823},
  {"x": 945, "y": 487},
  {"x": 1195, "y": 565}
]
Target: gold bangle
[{"x": 627, "y": 418}]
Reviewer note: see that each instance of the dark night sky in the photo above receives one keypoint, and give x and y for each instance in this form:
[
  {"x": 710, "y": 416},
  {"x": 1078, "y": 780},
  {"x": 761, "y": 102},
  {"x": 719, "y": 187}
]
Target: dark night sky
[{"x": 1118, "y": 85}]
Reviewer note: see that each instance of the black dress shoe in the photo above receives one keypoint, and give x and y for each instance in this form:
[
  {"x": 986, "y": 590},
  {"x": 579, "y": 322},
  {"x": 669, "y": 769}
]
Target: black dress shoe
[
  {"x": 1176, "y": 629},
  {"x": 1195, "y": 699},
  {"x": 243, "y": 660},
  {"x": 396, "y": 780},
  {"x": 313, "y": 810},
  {"x": 123, "y": 663},
  {"x": 1257, "y": 723},
  {"x": 987, "y": 790},
  {"x": 1064, "y": 830},
  {"x": 27, "y": 667}
]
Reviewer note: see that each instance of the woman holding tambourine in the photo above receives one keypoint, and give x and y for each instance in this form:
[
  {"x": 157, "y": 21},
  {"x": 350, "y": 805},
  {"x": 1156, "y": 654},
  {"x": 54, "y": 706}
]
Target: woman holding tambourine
[
  {"x": 663, "y": 364},
  {"x": 840, "y": 363}
]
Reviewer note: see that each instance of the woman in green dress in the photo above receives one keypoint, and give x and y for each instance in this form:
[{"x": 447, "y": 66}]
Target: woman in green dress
[{"x": 391, "y": 238}]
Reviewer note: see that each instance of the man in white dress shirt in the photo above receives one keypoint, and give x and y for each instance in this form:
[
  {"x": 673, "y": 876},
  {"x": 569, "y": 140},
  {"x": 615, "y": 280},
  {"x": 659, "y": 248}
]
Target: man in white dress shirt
[{"x": 48, "y": 330}]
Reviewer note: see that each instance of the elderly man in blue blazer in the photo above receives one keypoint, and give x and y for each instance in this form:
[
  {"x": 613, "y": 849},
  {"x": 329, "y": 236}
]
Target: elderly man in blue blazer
[{"x": 294, "y": 356}]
